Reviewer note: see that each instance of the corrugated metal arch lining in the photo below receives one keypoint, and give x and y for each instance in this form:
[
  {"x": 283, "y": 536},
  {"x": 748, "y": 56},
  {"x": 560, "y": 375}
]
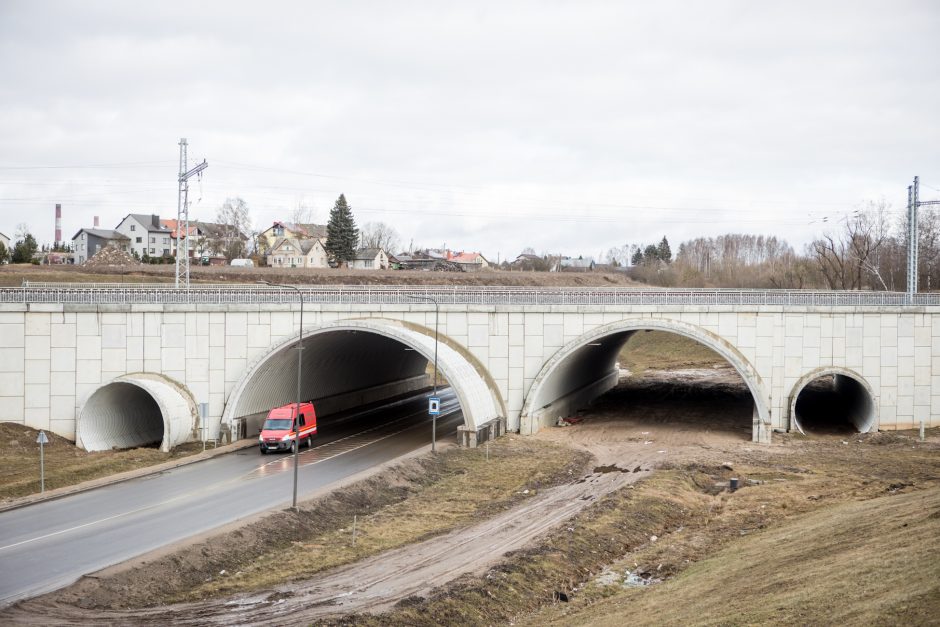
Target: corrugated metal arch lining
[
  {"x": 346, "y": 355},
  {"x": 136, "y": 410}
]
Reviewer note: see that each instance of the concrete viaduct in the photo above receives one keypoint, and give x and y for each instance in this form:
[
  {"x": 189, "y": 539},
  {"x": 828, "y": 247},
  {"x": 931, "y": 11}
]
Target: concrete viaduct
[{"x": 121, "y": 365}]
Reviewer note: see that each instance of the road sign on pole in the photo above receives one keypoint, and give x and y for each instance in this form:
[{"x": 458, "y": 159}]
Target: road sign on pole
[
  {"x": 42, "y": 440},
  {"x": 434, "y": 405},
  {"x": 203, "y": 413}
]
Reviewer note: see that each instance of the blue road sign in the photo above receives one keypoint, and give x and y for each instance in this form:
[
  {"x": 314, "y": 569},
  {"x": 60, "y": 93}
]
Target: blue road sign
[{"x": 434, "y": 406}]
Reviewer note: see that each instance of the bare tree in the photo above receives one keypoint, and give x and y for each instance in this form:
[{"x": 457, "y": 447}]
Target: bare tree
[
  {"x": 847, "y": 260},
  {"x": 303, "y": 213},
  {"x": 379, "y": 235},
  {"x": 235, "y": 220},
  {"x": 618, "y": 255}
]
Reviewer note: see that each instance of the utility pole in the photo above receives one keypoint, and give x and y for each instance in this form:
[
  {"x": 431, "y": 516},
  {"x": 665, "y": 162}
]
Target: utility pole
[
  {"x": 913, "y": 204},
  {"x": 182, "y": 216},
  {"x": 911, "y": 242}
]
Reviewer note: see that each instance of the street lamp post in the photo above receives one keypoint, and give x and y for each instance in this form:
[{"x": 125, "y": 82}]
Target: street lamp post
[
  {"x": 437, "y": 310},
  {"x": 300, "y": 347}
]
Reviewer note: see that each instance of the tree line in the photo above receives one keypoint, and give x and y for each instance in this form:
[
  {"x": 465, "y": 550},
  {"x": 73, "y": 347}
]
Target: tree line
[{"x": 864, "y": 250}]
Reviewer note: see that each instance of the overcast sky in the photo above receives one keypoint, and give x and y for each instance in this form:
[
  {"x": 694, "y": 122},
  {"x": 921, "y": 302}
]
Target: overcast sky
[{"x": 567, "y": 127}]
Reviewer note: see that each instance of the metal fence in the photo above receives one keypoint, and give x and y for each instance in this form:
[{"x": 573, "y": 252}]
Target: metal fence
[{"x": 248, "y": 294}]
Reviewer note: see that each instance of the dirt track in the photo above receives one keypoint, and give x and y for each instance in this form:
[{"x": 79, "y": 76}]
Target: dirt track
[
  {"x": 371, "y": 585},
  {"x": 636, "y": 427}
]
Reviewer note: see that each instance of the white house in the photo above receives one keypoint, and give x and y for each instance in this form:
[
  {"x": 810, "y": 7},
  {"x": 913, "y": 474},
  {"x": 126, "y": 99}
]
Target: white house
[
  {"x": 147, "y": 235},
  {"x": 370, "y": 259},
  {"x": 288, "y": 252}
]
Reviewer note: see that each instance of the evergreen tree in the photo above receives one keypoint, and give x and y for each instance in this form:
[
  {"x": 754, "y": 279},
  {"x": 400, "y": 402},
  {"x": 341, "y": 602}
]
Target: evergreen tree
[
  {"x": 650, "y": 254},
  {"x": 664, "y": 252},
  {"x": 23, "y": 249},
  {"x": 4, "y": 253},
  {"x": 637, "y": 258},
  {"x": 342, "y": 236}
]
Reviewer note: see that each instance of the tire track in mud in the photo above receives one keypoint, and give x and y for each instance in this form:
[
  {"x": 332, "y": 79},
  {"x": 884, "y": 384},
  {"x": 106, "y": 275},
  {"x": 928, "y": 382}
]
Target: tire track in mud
[{"x": 373, "y": 584}]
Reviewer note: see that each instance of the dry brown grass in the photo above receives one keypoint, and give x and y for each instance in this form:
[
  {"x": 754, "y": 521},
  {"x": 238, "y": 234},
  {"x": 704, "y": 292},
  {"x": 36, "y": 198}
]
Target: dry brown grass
[
  {"x": 468, "y": 486},
  {"x": 856, "y": 563},
  {"x": 65, "y": 464},
  {"x": 659, "y": 350},
  {"x": 14, "y": 275},
  {"x": 822, "y": 532},
  {"x": 407, "y": 502}
]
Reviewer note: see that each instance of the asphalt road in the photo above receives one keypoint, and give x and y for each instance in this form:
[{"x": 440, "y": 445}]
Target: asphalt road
[{"x": 49, "y": 545}]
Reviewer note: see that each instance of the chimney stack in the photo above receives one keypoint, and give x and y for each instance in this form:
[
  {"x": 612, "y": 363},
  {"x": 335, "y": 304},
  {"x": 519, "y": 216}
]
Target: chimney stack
[
  {"x": 96, "y": 222},
  {"x": 58, "y": 224}
]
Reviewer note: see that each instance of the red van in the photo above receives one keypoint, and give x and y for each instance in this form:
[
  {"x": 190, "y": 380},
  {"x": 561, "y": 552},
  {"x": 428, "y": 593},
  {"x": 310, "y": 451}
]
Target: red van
[{"x": 277, "y": 433}]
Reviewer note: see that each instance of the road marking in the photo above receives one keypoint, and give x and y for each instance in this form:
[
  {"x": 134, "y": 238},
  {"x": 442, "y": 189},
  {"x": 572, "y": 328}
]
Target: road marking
[
  {"x": 215, "y": 486},
  {"x": 326, "y": 448}
]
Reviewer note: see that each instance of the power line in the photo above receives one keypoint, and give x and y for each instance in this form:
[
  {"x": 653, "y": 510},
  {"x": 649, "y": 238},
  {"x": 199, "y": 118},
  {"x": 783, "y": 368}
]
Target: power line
[{"x": 130, "y": 164}]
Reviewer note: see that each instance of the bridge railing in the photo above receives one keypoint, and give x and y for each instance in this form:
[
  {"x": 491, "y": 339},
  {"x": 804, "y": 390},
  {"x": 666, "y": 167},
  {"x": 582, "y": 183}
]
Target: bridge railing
[{"x": 240, "y": 294}]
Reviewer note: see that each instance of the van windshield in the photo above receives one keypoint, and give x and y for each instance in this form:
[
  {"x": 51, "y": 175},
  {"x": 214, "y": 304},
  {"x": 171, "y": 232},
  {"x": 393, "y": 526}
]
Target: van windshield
[{"x": 280, "y": 424}]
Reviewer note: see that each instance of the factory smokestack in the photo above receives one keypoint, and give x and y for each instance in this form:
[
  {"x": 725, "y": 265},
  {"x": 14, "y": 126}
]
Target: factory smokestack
[
  {"x": 96, "y": 222},
  {"x": 58, "y": 224}
]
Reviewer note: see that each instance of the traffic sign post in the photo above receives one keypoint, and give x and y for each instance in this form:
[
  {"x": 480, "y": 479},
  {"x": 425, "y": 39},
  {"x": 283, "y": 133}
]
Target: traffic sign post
[
  {"x": 203, "y": 412},
  {"x": 42, "y": 440},
  {"x": 434, "y": 408}
]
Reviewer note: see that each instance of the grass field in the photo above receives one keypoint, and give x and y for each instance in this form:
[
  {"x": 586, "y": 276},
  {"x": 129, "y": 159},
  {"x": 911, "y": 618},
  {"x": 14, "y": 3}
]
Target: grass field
[
  {"x": 658, "y": 350},
  {"x": 65, "y": 464},
  {"x": 825, "y": 533},
  {"x": 13, "y": 275}
]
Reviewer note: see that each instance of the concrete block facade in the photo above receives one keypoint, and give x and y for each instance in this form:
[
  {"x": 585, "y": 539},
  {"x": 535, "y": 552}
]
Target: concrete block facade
[{"x": 53, "y": 357}]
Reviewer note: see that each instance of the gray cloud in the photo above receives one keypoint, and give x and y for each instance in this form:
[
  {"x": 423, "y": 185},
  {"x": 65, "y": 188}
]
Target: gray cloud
[{"x": 563, "y": 126}]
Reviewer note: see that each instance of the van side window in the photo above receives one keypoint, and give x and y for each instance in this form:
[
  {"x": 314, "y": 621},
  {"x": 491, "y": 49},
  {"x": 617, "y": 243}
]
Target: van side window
[{"x": 302, "y": 422}]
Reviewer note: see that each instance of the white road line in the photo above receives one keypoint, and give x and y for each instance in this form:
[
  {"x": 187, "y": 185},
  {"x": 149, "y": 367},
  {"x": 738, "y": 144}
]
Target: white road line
[{"x": 215, "y": 487}]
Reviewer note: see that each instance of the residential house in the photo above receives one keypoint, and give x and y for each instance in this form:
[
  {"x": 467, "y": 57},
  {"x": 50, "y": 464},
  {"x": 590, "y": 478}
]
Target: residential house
[
  {"x": 268, "y": 237},
  {"x": 529, "y": 261},
  {"x": 193, "y": 233},
  {"x": 87, "y": 242},
  {"x": 147, "y": 236},
  {"x": 208, "y": 240},
  {"x": 470, "y": 262},
  {"x": 370, "y": 259},
  {"x": 581, "y": 264},
  {"x": 288, "y": 252}
]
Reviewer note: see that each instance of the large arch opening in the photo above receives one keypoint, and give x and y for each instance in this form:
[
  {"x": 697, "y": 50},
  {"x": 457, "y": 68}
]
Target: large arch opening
[
  {"x": 588, "y": 369},
  {"x": 353, "y": 364},
  {"x": 832, "y": 402},
  {"x": 134, "y": 411}
]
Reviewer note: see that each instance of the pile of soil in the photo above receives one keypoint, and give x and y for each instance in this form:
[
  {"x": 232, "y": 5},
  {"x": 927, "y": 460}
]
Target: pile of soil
[{"x": 110, "y": 256}]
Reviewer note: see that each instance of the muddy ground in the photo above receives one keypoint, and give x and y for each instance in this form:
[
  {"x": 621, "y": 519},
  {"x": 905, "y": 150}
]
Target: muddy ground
[{"x": 651, "y": 501}]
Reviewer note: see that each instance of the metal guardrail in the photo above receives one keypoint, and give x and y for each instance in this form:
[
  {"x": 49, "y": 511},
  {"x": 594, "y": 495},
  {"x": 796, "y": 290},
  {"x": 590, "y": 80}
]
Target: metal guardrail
[{"x": 249, "y": 294}]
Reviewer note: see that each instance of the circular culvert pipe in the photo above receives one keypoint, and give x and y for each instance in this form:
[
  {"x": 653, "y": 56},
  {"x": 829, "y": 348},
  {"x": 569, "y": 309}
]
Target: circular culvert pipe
[
  {"x": 831, "y": 402},
  {"x": 136, "y": 410}
]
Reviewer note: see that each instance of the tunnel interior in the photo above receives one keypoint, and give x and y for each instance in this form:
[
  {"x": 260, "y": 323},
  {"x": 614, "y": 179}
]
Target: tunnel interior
[
  {"x": 340, "y": 369},
  {"x": 652, "y": 377},
  {"x": 120, "y": 415},
  {"x": 834, "y": 404}
]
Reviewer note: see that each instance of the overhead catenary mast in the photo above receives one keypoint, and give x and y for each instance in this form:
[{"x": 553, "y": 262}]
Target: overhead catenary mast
[
  {"x": 182, "y": 215},
  {"x": 913, "y": 204}
]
